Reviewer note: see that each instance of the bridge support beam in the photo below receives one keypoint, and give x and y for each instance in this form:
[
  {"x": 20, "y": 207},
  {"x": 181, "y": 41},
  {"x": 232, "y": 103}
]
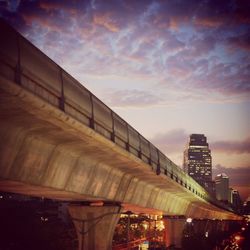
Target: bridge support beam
[
  {"x": 173, "y": 231},
  {"x": 95, "y": 225}
]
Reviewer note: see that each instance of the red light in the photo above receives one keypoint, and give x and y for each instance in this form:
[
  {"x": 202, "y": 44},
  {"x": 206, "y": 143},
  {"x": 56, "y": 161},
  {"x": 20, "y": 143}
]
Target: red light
[{"x": 238, "y": 237}]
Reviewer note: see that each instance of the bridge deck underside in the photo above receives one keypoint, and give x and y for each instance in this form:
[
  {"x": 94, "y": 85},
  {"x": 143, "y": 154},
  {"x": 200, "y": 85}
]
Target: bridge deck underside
[{"x": 44, "y": 152}]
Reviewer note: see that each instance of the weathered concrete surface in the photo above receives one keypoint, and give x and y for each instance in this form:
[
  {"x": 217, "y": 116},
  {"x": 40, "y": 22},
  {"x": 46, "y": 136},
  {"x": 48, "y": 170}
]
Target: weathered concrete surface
[
  {"x": 45, "y": 152},
  {"x": 95, "y": 226},
  {"x": 174, "y": 231}
]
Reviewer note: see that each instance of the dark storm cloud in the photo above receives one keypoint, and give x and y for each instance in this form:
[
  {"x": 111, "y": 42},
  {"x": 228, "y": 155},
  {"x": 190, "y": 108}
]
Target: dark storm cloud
[
  {"x": 10, "y": 5},
  {"x": 241, "y": 41},
  {"x": 175, "y": 13},
  {"x": 225, "y": 78},
  {"x": 178, "y": 138},
  {"x": 54, "y": 15},
  {"x": 232, "y": 147},
  {"x": 172, "y": 141},
  {"x": 237, "y": 176}
]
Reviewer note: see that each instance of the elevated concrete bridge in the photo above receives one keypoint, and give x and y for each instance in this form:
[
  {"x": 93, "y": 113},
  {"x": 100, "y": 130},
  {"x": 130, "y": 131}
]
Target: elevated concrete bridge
[{"x": 60, "y": 141}]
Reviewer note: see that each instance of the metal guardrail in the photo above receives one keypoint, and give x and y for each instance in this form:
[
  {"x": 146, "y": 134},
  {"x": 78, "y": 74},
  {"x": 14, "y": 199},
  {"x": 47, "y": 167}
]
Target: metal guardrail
[{"x": 24, "y": 64}]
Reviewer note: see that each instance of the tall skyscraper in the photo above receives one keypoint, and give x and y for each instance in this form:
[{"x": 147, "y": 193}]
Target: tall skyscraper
[
  {"x": 235, "y": 200},
  {"x": 198, "y": 161},
  {"x": 222, "y": 187}
]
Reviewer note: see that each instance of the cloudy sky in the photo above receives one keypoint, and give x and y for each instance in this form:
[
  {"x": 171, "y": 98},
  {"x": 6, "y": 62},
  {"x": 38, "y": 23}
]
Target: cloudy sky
[{"x": 168, "y": 67}]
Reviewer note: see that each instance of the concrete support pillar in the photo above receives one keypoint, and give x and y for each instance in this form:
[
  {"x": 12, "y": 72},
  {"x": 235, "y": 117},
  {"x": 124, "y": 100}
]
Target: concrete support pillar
[
  {"x": 199, "y": 226},
  {"x": 222, "y": 226},
  {"x": 206, "y": 227},
  {"x": 174, "y": 231},
  {"x": 95, "y": 225}
]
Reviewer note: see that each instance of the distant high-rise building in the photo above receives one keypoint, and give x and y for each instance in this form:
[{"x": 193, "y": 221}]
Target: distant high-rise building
[
  {"x": 230, "y": 195},
  {"x": 198, "y": 161},
  {"x": 235, "y": 200},
  {"x": 246, "y": 207},
  {"x": 222, "y": 187}
]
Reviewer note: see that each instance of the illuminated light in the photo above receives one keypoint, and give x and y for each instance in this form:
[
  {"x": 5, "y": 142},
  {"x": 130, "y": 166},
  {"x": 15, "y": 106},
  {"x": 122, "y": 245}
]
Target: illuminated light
[
  {"x": 237, "y": 237},
  {"x": 206, "y": 234},
  {"x": 243, "y": 228},
  {"x": 44, "y": 218},
  {"x": 1, "y": 197},
  {"x": 161, "y": 225},
  {"x": 96, "y": 204},
  {"x": 189, "y": 220},
  {"x": 145, "y": 226}
]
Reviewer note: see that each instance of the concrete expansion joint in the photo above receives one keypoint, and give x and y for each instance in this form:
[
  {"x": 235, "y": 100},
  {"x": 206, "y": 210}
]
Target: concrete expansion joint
[{"x": 96, "y": 204}]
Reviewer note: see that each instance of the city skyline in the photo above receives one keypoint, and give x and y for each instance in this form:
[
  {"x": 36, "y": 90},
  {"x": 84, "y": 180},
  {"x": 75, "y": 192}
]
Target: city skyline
[{"x": 168, "y": 68}]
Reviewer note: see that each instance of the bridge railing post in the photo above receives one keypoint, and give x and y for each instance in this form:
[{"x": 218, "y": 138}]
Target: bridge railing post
[
  {"x": 92, "y": 118},
  {"x": 18, "y": 65},
  {"x": 61, "y": 98}
]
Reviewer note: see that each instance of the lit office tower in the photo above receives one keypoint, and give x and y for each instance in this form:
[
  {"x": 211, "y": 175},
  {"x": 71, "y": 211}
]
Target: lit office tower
[
  {"x": 198, "y": 161},
  {"x": 222, "y": 187},
  {"x": 234, "y": 199}
]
